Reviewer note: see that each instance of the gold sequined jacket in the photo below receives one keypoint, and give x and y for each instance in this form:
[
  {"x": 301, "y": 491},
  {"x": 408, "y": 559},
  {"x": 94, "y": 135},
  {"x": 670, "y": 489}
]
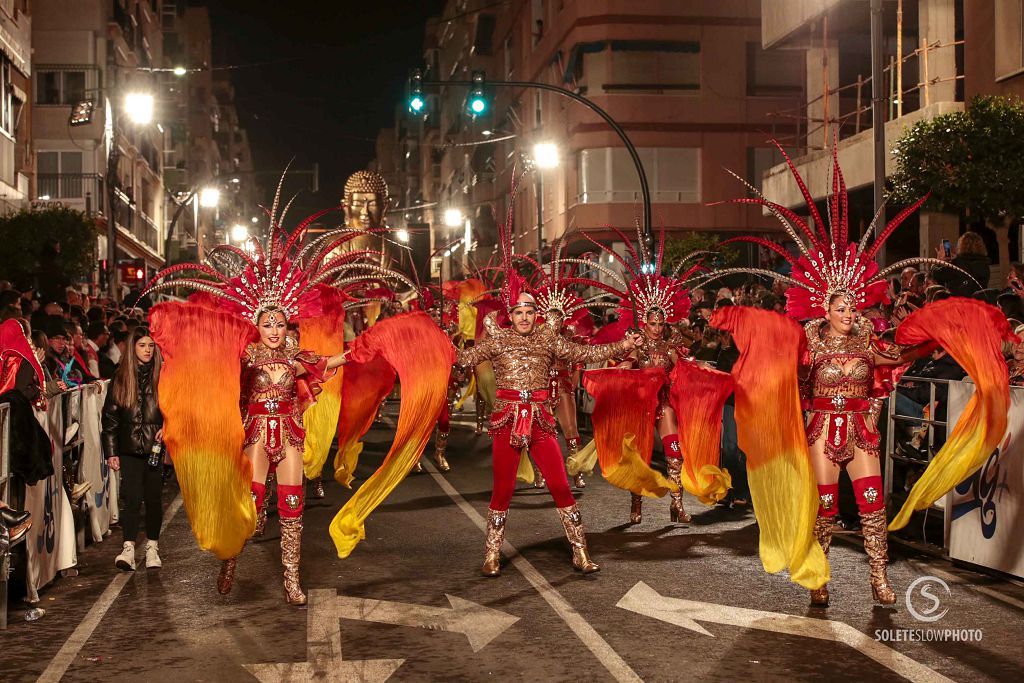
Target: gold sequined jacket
[{"x": 522, "y": 364}]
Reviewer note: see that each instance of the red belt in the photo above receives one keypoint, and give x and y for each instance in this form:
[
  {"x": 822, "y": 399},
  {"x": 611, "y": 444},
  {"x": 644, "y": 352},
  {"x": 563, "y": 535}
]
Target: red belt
[
  {"x": 524, "y": 403},
  {"x": 271, "y": 407},
  {"x": 840, "y": 404},
  {"x": 524, "y": 396}
]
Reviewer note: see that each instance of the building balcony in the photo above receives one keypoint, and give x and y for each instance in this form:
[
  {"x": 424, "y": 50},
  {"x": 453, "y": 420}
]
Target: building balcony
[
  {"x": 79, "y": 191},
  {"x": 856, "y": 157},
  {"x": 134, "y": 222}
]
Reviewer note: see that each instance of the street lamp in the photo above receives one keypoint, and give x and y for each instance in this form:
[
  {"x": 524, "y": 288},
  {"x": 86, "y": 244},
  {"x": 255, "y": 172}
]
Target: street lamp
[
  {"x": 239, "y": 233},
  {"x": 545, "y": 155},
  {"x": 402, "y": 235},
  {"x": 139, "y": 108},
  {"x": 209, "y": 197},
  {"x": 180, "y": 71},
  {"x": 453, "y": 218}
]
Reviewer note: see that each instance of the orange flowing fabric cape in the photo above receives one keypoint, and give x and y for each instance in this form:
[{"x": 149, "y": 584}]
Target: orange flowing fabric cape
[
  {"x": 972, "y": 333},
  {"x": 770, "y": 430},
  {"x": 422, "y": 355},
  {"x": 625, "y": 401},
  {"x": 199, "y": 389},
  {"x": 698, "y": 394},
  {"x": 324, "y": 335},
  {"x": 364, "y": 387}
]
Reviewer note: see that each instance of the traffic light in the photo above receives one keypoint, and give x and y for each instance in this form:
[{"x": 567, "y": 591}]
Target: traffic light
[
  {"x": 476, "y": 103},
  {"x": 417, "y": 103}
]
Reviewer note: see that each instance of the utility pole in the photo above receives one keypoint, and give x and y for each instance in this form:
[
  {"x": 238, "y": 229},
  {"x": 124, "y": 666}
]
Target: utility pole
[{"x": 878, "y": 118}]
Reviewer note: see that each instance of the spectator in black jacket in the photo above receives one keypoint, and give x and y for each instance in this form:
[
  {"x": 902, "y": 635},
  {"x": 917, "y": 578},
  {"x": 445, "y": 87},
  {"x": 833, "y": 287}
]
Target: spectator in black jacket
[
  {"x": 132, "y": 444},
  {"x": 970, "y": 255}
]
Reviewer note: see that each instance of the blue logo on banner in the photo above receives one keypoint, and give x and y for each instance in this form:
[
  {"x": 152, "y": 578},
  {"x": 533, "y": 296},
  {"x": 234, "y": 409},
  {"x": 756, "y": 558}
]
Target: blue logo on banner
[{"x": 983, "y": 488}]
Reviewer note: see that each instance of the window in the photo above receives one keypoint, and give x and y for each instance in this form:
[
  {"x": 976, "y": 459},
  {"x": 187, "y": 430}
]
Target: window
[
  {"x": 759, "y": 160},
  {"x": 6, "y": 97},
  {"x": 510, "y": 67},
  {"x": 1009, "y": 38},
  {"x": 59, "y": 175},
  {"x": 637, "y": 66},
  {"x": 654, "y": 66},
  {"x": 59, "y": 86},
  {"x": 608, "y": 175},
  {"x": 774, "y": 72}
]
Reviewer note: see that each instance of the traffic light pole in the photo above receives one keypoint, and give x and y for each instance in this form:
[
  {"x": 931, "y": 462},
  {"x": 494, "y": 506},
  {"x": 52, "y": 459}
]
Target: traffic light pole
[{"x": 645, "y": 190}]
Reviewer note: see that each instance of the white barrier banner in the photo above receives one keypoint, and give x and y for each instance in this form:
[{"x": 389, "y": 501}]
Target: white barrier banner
[
  {"x": 50, "y": 544},
  {"x": 987, "y": 509},
  {"x": 101, "y": 500}
]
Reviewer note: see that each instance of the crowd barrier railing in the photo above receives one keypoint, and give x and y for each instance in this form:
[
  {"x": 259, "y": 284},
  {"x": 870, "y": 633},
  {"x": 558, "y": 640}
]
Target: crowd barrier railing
[{"x": 72, "y": 422}]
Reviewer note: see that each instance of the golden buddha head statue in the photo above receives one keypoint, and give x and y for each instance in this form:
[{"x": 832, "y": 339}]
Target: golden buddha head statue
[{"x": 366, "y": 200}]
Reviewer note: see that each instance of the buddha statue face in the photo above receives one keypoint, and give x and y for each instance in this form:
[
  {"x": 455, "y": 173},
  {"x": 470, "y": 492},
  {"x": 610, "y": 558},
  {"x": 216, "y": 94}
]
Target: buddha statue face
[{"x": 366, "y": 200}]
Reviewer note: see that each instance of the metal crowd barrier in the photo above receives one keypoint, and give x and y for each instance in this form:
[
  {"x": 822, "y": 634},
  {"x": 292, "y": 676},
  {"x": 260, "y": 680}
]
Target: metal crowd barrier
[
  {"x": 893, "y": 437},
  {"x": 66, "y": 428},
  {"x": 5, "y": 496}
]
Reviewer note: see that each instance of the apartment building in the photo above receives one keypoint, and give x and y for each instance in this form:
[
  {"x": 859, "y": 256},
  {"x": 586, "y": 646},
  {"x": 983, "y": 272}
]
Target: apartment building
[
  {"x": 15, "y": 104},
  {"x": 689, "y": 84}
]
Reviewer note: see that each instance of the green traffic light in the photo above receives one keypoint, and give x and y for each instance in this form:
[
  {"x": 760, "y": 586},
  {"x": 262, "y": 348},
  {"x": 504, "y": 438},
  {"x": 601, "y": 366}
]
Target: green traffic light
[
  {"x": 416, "y": 104},
  {"x": 478, "y": 105}
]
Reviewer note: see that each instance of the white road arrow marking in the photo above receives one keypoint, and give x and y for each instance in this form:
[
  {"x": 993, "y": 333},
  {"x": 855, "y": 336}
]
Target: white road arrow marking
[
  {"x": 326, "y": 608},
  {"x": 479, "y": 624},
  {"x": 643, "y": 599},
  {"x": 323, "y": 647}
]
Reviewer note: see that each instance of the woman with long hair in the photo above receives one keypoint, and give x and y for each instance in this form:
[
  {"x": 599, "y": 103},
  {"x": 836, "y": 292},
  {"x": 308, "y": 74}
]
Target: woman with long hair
[{"x": 133, "y": 444}]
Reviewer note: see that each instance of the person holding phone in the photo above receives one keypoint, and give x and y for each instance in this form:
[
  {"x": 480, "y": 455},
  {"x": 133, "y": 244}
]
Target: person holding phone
[
  {"x": 133, "y": 444},
  {"x": 969, "y": 255}
]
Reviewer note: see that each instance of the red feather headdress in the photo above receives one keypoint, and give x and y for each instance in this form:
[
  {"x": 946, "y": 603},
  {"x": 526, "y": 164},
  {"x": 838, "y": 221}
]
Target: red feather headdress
[{"x": 828, "y": 263}]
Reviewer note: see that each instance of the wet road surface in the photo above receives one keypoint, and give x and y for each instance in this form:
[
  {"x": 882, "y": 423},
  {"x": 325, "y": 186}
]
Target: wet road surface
[{"x": 671, "y": 602}]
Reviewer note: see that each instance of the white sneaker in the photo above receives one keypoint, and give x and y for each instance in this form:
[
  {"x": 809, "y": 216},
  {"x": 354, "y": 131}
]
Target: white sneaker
[
  {"x": 126, "y": 560},
  {"x": 152, "y": 556}
]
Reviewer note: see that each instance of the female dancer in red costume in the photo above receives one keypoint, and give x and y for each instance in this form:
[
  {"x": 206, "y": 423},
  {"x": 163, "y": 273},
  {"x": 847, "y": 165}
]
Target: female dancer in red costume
[
  {"x": 268, "y": 289},
  {"x": 846, "y": 371}
]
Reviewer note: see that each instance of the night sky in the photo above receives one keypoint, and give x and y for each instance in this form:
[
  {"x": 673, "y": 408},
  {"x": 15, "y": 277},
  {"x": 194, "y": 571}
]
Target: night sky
[{"x": 337, "y": 70}]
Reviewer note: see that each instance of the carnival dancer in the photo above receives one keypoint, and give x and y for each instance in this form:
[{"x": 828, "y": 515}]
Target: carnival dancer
[
  {"x": 247, "y": 311},
  {"x": 522, "y": 357},
  {"x": 846, "y": 370},
  {"x": 656, "y": 301},
  {"x": 558, "y": 303}
]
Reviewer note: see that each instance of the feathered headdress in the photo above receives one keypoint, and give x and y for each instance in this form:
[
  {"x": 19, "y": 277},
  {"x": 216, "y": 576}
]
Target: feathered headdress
[
  {"x": 281, "y": 276},
  {"x": 642, "y": 284},
  {"x": 828, "y": 264}
]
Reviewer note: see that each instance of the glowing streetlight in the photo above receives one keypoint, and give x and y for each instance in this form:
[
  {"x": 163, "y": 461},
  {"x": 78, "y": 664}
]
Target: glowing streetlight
[
  {"x": 545, "y": 155},
  {"x": 209, "y": 197},
  {"x": 402, "y": 235},
  {"x": 139, "y": 108},
  {"x": 180, "y": 71},
  {"x": 255, "y": 220},
  {"x": 239, "y": 233},
  {"x": 453, "y": 218}
]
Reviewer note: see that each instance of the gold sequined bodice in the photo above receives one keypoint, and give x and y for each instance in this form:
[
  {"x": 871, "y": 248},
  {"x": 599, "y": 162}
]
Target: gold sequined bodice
[
  {"x": 840, "y": 365},
  {"x": 259, "y": 367},
  {"x": 523, "y": 362},
  {"x": 655, "y": 353}
]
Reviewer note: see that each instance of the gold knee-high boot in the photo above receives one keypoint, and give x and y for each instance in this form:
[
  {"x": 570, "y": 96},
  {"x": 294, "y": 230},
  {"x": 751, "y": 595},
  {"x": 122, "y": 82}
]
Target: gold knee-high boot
[
  {"x": 572, "y": 520},
  {"x": 876, "y": 545},
  {"x": 636, "y": 508},
  {"x": 574, "y": 448},
  {"x": 440, "y": 446},
  {"x": 291, "y": 552},
  {"x": 823, "y": 534},
  {"x": 676, "y": 511},
  {"x": 492, "y": 545}
]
